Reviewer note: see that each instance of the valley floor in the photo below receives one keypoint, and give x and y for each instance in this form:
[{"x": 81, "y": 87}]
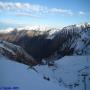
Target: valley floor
[{"x": 66, "y": 74}]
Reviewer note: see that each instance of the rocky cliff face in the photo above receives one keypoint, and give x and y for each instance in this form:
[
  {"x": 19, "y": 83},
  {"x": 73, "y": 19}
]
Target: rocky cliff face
[
  {"x": 52, "y": 43},
  {"x": 16, "y": 53}
]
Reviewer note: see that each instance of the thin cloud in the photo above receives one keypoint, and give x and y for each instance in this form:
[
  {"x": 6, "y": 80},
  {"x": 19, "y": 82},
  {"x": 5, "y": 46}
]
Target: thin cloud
[
  {"x": 21, "y": 6},
  {"x": 27, "y": 14},
  {"x": 31, "y": 8},
  {"x": 81, "y": 13},
  {"x": 61, "y": 11}
]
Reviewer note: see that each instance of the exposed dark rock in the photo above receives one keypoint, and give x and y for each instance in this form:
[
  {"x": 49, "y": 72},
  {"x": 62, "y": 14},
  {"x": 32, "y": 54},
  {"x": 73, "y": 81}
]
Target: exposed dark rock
[
  {"x": 16, "y": 53},
  {"x": 39, "y": 45}
]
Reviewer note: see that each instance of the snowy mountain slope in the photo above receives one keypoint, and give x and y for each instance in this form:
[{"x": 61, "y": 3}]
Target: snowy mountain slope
[
  {"x": 78, "y": 40},
  {"x": 52, "y": 42},
  {"x": 66, "y": 74},
  {"x": 17, "y": 75}
]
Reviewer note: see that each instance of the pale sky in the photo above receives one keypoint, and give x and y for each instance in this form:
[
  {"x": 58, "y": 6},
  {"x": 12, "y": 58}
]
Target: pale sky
[{"x": 44, "y": 12}]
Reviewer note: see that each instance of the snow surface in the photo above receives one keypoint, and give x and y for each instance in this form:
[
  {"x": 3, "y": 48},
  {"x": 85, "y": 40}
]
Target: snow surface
[
  {"x": 65, "y": 72},
  {"x": 13, "y": 74}
]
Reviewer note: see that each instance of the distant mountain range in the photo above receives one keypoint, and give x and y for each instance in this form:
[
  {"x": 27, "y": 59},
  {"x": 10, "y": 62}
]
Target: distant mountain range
[{"x": 48, "y": 43}]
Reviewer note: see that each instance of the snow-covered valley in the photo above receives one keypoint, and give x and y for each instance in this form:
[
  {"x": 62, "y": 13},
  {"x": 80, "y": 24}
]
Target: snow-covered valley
[{"x": 66, "y": 74}]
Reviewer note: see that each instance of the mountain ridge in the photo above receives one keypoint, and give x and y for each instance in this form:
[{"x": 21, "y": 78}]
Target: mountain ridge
[{"x": 52, "y": 44}]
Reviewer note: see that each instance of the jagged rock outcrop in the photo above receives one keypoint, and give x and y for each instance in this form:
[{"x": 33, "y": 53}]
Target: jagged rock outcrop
[{"x": 16, "y": 53}]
